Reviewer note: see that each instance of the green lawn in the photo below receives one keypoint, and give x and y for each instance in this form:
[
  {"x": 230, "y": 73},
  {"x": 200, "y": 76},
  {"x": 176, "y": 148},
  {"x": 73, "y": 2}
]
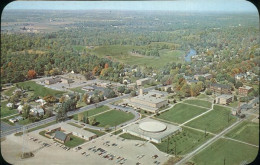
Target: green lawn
[
  {"x": 24, "y": 122},
  {"x": 203, "y": 96},
  {"x": 131, "y": 137},
  {"x": 122, "y": 53},
  {"x": 214, "y": 121},
  {"x": 186, "y": 141},
  {"x": 5, "y": 111},
  {"x": 233, "y": 152},
  {"x": 92, "y": 112},
  {"x": 75, "y": 125},
  {"x": 43, "y": 134},
  {"x": 234, "y": 104},
  {"x": 74, "y": 141},
  {"x": 113, "y": 117},
  {"x": 117, "y": 132},
  {"x": 246, "y": 131},
  {"x": 9, "y": 92},
  {"x": 40, "y": 90},
  {"x": 181, "y": 113},
  {"x": 99, "y": 133},
  {"x": 202, "y": 103}
]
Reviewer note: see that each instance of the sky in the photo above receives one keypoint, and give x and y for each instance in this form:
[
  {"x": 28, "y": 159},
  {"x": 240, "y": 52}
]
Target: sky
[{"x": 178, "y": 5}]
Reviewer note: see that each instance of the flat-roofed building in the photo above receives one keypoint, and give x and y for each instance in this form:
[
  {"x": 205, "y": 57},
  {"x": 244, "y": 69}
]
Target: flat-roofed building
[
  {"x": 224, "y": 99},
  {"x": 66, "y": 80},
  {"x": 143, "y": 81},
  {"x": 152, "y": 130},
  {"x": 245, "y": 90},
  {"x": 220, "y": 88},
  {"x": 79, "y": 132},
  {"x": 150, "y": 102},
  {"x": 52, "y": 80}
]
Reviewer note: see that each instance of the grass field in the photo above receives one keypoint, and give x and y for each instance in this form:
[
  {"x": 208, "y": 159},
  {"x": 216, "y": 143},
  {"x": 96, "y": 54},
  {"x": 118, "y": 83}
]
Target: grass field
[
  {"x": 6, "y": 120},
  {"x": 233, "y": 104},
  {"x": 9, "y": 91},
  {"x": 24, "y": 122},
  {"x": 117, "y": 132},
  {"x": 75, "y": 125},
  {"x": 5, "y": 111},
  {"x": 201, "y": 103},
  {"x": 99, "y": 133},
  {"x": 113, "y": 118},
  {"x": 233, "y": 152},
  {"x": 74, "y": 141},
  {"x": 203, "y": 96},
  {"x": 186, "y": 141},
  {"x": 92, "y": 111},
  {"x": 181, "y": 113},
  {"x": 40, "y": 90},
  {"x": 122, "y": 53},
  {"x": 214, "y": 121},
  {"x": 131, "y": 137},
  {"x": 246, "y": 131}
]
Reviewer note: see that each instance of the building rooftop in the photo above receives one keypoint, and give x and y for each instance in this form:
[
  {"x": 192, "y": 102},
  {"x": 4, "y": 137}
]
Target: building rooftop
[
  {"x": 149, "y": 98},
  {"x": 71, "y": 128},
  {"x": 60, "y": 135},
  {"x": 246, "y": 87},
  {"x": 221, "y": 85},
  {"x": 224, "y": 96}
]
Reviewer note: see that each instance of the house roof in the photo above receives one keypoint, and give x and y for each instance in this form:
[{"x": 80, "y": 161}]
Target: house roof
[
  {"x": 225, "y": 96},
  {"x": 221, "y": 85},
  {"x": 60, "y": 135}
]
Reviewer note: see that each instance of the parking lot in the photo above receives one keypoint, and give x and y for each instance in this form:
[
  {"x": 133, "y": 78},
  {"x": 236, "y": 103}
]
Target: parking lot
[{"x": 106, "y": 149}]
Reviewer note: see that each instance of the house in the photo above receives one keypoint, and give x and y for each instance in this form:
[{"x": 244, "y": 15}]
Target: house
[
  {"x": 62, "y": 137},
  {"x": 40, "y": 101},
  {"x": 126, "y": 81},
  {"x": 245, "y": 90},
  {"x": 20, "y": 108},
  {"x": 191, "y": 81},
  {"x": 66, "y": 80},
  {"x": 88, "y": 88},
  {"x": 220, "y": 88},
  {"x": 13, "y": 120},
  {"x": 224, "y": 99},
  {"x": 52, "y": 80},
  {"x": 167, "y": 87},
  {"x": 240, "y": 76},
  {"x": 36, "y": 111},
  {"x": 143, "y": 81},
  {"x": 9, "y": 105}
]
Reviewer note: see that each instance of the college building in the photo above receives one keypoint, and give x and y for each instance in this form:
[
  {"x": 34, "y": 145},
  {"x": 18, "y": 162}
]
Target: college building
[
  {"x": 224, "y": 99},
  {"x": 245, "y": 90},
  {"x": 220, "y": 88}
]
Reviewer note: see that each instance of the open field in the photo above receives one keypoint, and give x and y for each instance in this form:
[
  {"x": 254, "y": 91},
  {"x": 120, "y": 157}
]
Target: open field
[
  {"x": 181, "y": 113},
  {"x": 201, "y": 103},
  {"x": 39, "y": 90},
  {"x": 246, "y": 131},
  {"x": 186, "y": 141},
  {"x": 92, "y": 111},
  {"x": 203, "y": 96},
  {"x": 113, "y": 118},
  {"x": 122, "y": 53},
  {"x": 5, "y": 111},
  {"x": 78, "y": 89},
  {"x": 131, "y": 137},
  {"x": 233, "y": 152},
  {"x": 215, "y": 121}
]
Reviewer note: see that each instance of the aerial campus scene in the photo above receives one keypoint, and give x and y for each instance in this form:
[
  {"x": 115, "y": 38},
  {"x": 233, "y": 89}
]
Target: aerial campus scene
[{"x": 129, "y": 83}]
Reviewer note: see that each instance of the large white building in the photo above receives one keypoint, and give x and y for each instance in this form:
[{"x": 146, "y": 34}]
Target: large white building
[
  {"x": 150, "y": 102},
  {"x": 152, "y": 130}
]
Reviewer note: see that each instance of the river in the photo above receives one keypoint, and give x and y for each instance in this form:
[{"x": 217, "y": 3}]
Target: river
[{"x": 191, "y": 53}]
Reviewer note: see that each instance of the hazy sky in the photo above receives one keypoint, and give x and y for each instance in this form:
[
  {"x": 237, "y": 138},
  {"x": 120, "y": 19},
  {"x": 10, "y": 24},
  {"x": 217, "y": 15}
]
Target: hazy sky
[{"x": 179, "y": 5}]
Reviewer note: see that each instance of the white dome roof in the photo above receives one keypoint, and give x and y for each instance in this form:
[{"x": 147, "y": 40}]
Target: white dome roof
[{"x": 152, "y": 126}]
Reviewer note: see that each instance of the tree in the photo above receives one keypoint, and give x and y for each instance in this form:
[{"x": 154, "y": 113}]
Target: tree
[
  {"x": 62, "y": 99},
  {"x": 31, "y": 74},
  {"x": 238, "y": 84},
  {"x": 85, "y": 98},
  {"x": 80, "y": 116},
  {"x": 106, "y": 65},
  {"x": 109, "y": 93},
  {"x": 133, "y": 93},
  {"x": 208, "y": 92},
  {"x": 121, "y": 89},
  {"x": 26, "y": 110},
  {"x": 92, "y": 120},
  {"x": 50, "y": 99}
]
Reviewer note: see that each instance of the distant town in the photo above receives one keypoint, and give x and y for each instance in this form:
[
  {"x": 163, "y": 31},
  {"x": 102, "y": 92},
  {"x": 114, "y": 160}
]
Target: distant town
[{"x": 125, "y": 87}]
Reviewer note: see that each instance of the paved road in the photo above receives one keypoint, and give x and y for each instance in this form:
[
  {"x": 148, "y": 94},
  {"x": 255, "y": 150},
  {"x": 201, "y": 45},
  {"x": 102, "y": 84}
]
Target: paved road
[
  {"x": 71, "y": 113},
  {"x": 210, "y": 141}
]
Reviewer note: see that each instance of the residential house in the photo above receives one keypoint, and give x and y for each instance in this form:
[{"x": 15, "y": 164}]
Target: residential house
[
  {"x": 20, "y": 109},
  {"x": 62, "y": 137},
  {"x": 88, "y": 88},
  {"x": 36, "y": 111}
]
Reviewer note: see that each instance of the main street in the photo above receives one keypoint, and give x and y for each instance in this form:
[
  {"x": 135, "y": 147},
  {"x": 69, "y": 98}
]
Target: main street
[{"x": 70, "y": 113}]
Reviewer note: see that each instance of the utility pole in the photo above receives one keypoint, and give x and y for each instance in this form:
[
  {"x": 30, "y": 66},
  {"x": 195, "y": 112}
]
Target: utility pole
[
  {"x": 168, "y": 145},
  {"x": 205, "y": 132}
]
